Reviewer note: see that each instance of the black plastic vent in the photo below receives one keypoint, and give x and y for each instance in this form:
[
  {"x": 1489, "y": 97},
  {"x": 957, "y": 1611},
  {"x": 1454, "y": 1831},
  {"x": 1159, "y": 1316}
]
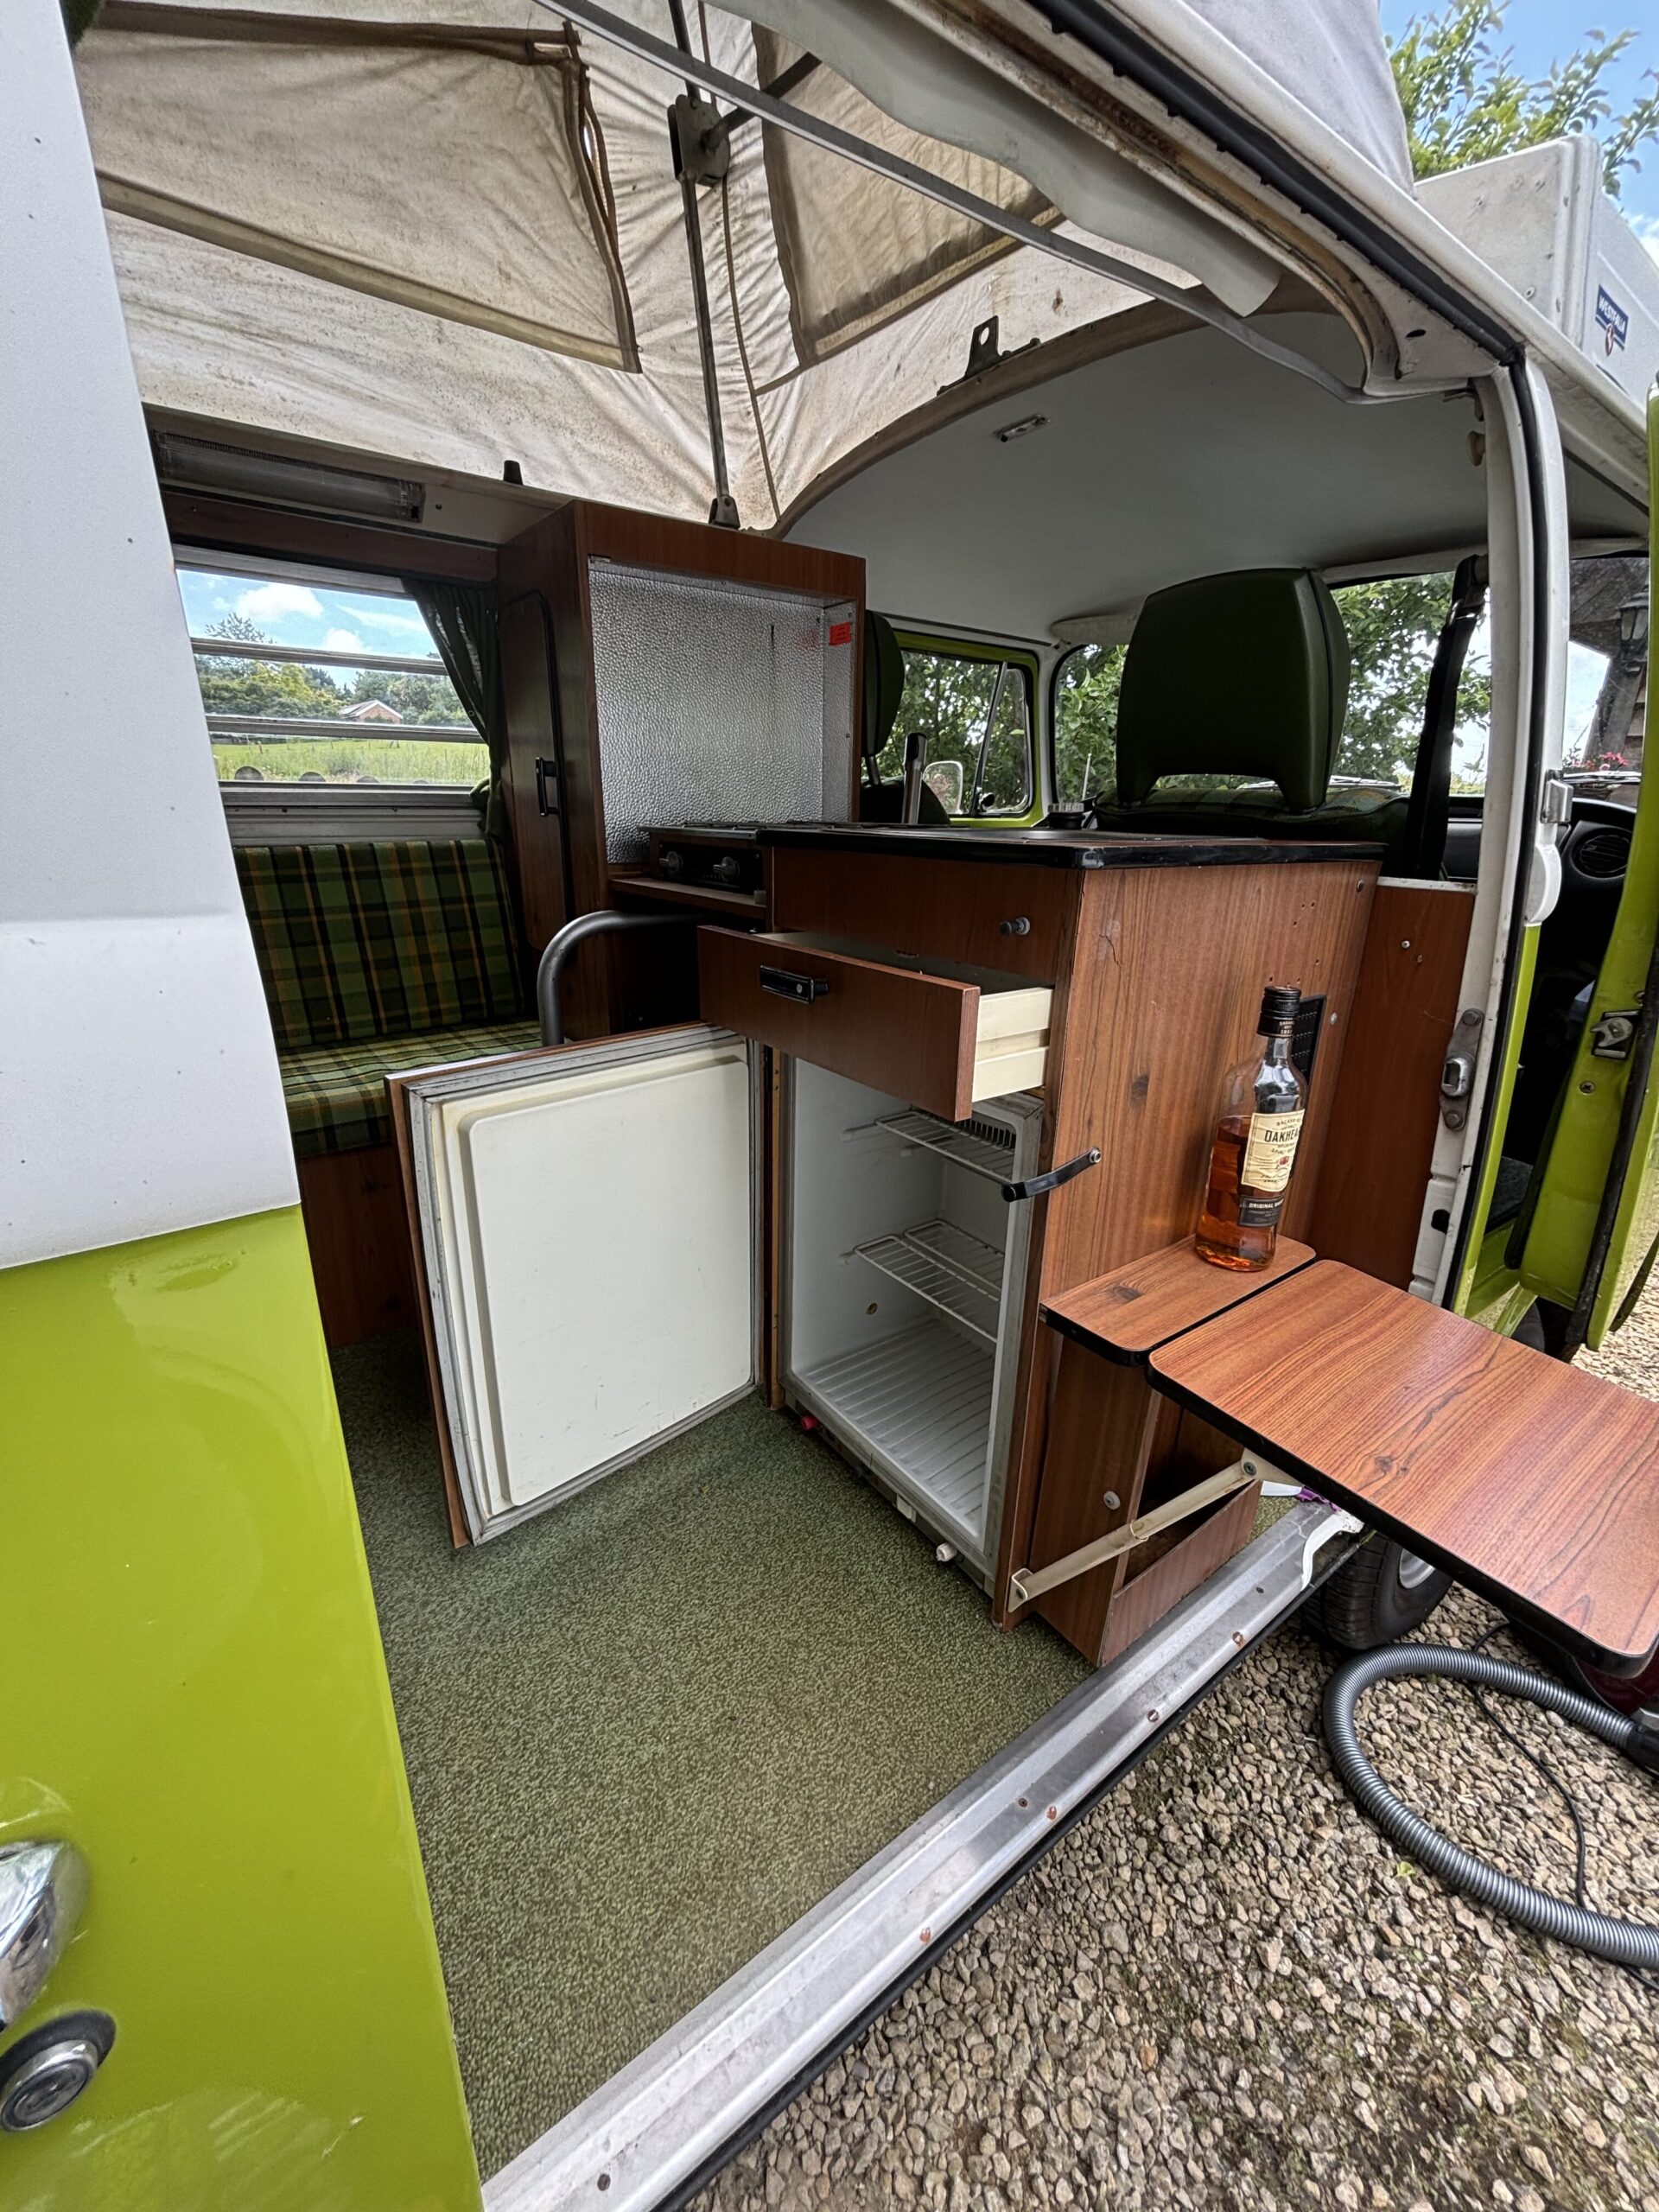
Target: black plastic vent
[
  {"x": 1305, "y": 1037},
  {"x": 1604, "y": 853}
]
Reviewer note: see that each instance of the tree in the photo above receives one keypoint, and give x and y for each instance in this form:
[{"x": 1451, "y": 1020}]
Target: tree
[
  {"x": 1465, "y": 101},
  {"x": 233, "y": 686},
  {"x": 1085, "y": 723},
  {"x": 1393, "y": 628},
  {"x": 947, "y": 697}
]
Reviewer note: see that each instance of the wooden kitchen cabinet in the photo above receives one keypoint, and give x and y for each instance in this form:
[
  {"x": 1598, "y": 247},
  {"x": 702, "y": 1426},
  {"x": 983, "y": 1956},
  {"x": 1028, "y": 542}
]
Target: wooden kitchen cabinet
[
  {"x": 657, "y": 672},
  {"x": 1156, "y": 950},
  {"x": 955, "y": 1076}
]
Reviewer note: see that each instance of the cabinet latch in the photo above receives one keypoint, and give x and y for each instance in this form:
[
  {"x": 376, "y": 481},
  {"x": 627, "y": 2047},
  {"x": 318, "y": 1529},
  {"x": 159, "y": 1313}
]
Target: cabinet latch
[
  {"x": 1457, "y": 1076},
  {"x": 1612, "y": 1037}
]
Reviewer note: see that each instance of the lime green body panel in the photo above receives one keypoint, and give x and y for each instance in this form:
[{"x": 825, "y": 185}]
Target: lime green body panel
[
  {"x": 1497, "y": 1298},
  {"x": 198, "y": 1699},
  {"x": 1581, "y": 1158},
  {"x": 1486, "y": 1282}
]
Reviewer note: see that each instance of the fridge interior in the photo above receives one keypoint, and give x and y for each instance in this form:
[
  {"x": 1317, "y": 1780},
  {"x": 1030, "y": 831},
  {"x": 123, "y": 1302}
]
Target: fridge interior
[{"x": 904, "y": 1280}]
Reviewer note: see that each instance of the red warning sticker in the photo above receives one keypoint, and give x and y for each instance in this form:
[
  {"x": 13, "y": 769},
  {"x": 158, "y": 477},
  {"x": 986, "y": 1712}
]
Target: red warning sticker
[{"x": 840, "y": 634}]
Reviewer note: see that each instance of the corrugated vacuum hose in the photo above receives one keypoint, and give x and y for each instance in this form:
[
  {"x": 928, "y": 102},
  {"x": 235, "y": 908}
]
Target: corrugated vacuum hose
[{"x": 1626, "y": 1942}]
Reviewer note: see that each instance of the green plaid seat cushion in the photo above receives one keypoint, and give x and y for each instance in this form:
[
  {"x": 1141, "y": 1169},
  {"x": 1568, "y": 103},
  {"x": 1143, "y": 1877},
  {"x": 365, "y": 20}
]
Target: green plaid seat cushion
[
  {"x": 336, "y": 1094},
  {"x": 391, "y": 940}
]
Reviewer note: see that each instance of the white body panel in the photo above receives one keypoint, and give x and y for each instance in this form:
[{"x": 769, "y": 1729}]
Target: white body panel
[
  {"x": 138, "y": 1083},
  {"x": 1543, "y": 221}
]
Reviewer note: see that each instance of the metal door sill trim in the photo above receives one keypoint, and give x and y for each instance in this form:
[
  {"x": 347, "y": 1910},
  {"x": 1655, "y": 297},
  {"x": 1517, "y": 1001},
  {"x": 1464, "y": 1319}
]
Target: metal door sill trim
[{"x": 672, "y": 2116}]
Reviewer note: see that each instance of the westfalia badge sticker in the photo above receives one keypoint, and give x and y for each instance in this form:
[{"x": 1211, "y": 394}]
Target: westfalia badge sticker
[{"x": 1612, "y": 320}]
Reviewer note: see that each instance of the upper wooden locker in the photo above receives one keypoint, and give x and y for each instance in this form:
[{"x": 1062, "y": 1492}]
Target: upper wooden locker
[{"x": 658, "y": 672}]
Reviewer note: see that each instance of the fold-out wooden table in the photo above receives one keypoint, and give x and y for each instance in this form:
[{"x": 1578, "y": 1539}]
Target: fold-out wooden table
[{"x": 1533, "y": 1483}]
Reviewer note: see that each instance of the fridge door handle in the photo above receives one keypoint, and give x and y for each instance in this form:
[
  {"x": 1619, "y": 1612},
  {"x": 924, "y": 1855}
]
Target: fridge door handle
[
  {"x": 1035, "y": 1185},
  {"x": 785, "y": 984}
]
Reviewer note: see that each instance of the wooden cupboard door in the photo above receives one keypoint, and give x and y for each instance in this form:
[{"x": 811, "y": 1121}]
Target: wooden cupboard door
[{"x": 1012, "y": 915}]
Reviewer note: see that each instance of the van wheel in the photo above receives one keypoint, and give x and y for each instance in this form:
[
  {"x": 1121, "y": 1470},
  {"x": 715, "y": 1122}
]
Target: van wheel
[{"x": 1383, "y": 1594}]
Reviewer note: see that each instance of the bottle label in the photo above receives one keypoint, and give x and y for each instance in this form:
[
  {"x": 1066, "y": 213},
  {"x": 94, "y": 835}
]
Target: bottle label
[
  {"x": 1255, "y": 1212},
  {"x": 1270, "y": 1152}
]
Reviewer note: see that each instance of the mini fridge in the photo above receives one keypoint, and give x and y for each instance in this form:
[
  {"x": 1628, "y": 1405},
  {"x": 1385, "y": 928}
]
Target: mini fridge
[{"x": 598, "y": 1229}]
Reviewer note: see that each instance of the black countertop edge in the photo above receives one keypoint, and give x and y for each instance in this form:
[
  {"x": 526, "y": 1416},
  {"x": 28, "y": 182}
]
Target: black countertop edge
[{"x": 1058, "y": 848}]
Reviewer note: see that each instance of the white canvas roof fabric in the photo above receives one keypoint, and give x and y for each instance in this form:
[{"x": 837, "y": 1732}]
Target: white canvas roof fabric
[
  {"x": 344, "y": 149},
  {"x": 1331, "y": 59},
  {"x": 376, "y": 224}
]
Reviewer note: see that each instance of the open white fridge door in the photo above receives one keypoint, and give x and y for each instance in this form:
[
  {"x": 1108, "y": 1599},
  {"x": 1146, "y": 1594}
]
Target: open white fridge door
[{"x": 588, "y": 1222}]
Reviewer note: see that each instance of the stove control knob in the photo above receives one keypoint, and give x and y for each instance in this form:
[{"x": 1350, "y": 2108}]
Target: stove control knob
[
  {"x": 670, "y": 862},
  {"x": 726, "y": 869}
]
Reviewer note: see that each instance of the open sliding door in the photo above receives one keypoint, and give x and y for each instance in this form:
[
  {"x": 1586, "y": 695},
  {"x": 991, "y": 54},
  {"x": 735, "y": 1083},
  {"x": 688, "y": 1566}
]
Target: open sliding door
[
  {"x": 1589, "y": 1241},
  {"x": 588, "y": 1234}
]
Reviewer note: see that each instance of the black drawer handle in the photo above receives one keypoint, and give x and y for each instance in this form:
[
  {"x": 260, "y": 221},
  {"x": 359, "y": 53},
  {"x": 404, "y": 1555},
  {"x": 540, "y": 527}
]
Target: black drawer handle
[
  {"x": 1017, "y": 925},
  {"x": 784, "y": 983}
]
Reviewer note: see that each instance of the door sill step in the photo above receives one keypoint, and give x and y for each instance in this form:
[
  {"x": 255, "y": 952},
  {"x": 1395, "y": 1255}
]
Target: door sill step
[{"x": 666, "y": 2123}]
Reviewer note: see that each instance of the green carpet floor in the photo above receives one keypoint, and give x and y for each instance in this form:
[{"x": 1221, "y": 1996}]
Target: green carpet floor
[{"x": 649, "y": 1730}]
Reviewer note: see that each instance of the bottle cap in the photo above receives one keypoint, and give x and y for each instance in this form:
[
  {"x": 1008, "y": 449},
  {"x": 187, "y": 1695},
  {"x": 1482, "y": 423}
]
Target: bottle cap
[{"x": 1279, "y": 1004}]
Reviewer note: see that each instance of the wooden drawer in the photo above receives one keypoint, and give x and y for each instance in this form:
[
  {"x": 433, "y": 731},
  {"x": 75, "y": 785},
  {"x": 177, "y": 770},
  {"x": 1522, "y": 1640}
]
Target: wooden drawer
[
  {"x": 944, "y": 910},
  {"x": 935, "y": 1041}
]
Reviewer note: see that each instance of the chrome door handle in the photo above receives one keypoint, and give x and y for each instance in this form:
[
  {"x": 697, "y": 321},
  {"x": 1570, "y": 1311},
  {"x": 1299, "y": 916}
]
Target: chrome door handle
[{"x": 42, "y": 1889}]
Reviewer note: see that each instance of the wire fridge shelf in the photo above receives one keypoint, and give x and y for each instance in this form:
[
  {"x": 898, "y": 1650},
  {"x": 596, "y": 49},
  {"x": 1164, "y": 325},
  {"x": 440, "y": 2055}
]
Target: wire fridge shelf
[
  {"x": 957, "y": 1273},
  {"x": 983, "y": 1148}
]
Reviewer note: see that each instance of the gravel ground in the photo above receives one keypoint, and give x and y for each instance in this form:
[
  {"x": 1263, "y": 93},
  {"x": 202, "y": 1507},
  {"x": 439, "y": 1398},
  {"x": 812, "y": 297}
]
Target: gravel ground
[{"x": 1223, "y": 1990}]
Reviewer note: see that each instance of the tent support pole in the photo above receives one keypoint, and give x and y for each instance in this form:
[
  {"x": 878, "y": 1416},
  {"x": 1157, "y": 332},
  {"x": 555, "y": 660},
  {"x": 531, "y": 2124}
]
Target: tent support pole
[{"x": 723, "y": 509}]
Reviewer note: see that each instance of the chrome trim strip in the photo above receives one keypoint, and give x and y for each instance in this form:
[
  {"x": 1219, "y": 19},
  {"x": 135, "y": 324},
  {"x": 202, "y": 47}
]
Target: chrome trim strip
[{"x": 657, "y": 2120}]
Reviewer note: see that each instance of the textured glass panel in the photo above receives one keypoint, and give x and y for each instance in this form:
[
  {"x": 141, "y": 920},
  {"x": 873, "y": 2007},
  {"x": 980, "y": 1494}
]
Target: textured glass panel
[{"x": 717, "y": 702}]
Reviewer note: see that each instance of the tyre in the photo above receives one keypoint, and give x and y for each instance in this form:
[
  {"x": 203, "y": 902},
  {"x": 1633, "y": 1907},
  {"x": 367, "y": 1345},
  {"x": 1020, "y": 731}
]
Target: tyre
[{"x": 1383, "y": 1594}]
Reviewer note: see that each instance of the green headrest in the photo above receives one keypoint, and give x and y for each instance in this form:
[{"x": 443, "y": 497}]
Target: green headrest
[
  {"x": 1241, "y": 674},
  {"x": 884, "y": 681}
]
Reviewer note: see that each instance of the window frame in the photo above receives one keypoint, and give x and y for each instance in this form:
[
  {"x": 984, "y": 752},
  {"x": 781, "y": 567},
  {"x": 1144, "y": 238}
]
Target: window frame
[
  {"x": 1053, "y": 735},
  {"x": 1337, "y": 580},
  {"x": 318, "y": 571},
  {"x": 1003, "y": 652}
]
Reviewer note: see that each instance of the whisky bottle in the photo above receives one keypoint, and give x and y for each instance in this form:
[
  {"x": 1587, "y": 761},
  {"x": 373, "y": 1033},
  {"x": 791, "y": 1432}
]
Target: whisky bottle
[{"x": 1256, "y": 1136}]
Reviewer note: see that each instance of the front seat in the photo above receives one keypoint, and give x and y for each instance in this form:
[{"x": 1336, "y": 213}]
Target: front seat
[
  {"x": 1241, "y": 675},
  {"x": 884, "y": 687}
]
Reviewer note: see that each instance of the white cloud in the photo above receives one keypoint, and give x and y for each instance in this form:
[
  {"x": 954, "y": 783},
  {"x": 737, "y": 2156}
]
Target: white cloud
[
  {"x": 342, "y": 641},
  {"x": 271, "y": 602},
  {"x": 383, "y": 618}
]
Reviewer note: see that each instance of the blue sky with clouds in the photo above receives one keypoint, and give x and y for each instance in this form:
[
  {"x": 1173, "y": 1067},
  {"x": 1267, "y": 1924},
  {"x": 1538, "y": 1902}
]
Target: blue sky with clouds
[
  {"x": 1540, "y": 32},
  {"x": 306, "y": 614}
]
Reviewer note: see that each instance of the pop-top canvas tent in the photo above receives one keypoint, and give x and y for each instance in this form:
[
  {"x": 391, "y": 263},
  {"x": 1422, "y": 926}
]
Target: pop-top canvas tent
[{"x": 450, "y": 231}]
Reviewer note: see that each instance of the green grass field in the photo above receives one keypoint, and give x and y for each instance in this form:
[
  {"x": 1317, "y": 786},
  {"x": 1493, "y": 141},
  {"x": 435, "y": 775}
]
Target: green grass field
[{"x": 352, "y": 760}]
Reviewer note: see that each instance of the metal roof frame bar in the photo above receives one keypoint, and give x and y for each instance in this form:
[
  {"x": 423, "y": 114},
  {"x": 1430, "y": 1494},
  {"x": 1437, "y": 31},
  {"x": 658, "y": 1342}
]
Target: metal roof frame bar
[{"x": 751, "y": 100}]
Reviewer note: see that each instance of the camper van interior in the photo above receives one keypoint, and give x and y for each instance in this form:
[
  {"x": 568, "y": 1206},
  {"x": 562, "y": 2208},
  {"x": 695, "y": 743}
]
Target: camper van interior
[{"x": 1080, "y": 670}]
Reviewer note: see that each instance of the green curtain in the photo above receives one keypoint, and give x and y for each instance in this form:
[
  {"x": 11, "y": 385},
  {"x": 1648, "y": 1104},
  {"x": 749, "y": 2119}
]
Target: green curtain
[{"x": 464, "y": 620}]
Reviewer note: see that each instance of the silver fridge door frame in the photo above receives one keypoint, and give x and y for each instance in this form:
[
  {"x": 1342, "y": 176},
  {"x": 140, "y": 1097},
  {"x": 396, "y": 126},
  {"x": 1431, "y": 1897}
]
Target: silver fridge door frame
[{"x": 427, "y": 1090}]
